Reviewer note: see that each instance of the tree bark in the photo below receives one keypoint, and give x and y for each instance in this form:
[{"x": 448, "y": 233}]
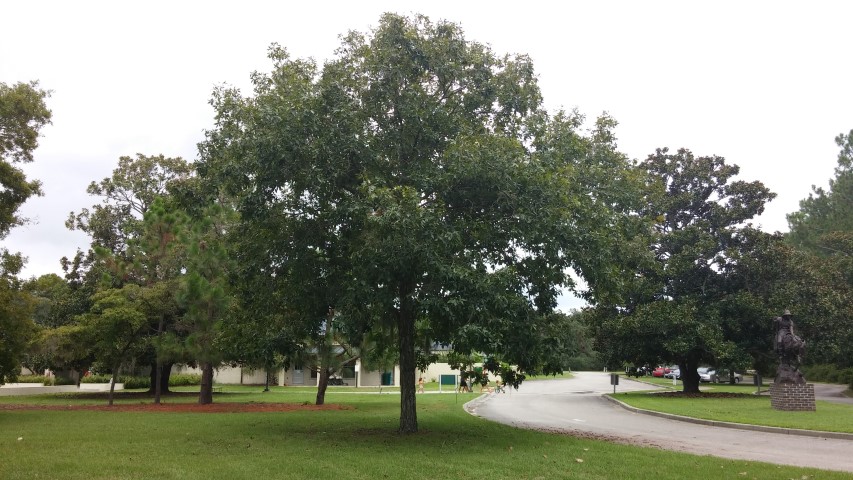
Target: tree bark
[
  {"x": 689, "y": 375},
  {"x": 406, "y": 328},
  {"x": 112, "y": 384},
  {"x": 205, "y": 395},
  {"x": 165, "y": 373},
  {"x": 322, "y": 385},
  {"x": 158, "y": 362}
]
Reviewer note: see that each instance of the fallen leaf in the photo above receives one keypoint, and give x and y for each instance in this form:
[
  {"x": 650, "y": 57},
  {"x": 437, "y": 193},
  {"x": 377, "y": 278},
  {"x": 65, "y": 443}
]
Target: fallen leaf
[
  {"x": 585, "y": 449},
  {"x": 579, "y": 460},
  {"x": 20, "y": 438}
]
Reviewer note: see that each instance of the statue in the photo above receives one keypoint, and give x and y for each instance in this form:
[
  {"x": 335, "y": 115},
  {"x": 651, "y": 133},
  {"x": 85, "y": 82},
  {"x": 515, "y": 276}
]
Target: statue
[{"x": 790, "y": 349}]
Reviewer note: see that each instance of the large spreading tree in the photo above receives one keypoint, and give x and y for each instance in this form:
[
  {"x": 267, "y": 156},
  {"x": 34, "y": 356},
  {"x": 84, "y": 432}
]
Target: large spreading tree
[
  {"x": 415, "y": 185},
  {"x": 673, "y": 308}
]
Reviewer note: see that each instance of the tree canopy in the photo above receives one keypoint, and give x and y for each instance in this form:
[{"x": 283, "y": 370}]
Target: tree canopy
[
  {"x": 671, "y": 310},
  {"x": 415, "y": 184},
  {"x": 23, "y": 113},
  {"x": 824, "y": 222}
]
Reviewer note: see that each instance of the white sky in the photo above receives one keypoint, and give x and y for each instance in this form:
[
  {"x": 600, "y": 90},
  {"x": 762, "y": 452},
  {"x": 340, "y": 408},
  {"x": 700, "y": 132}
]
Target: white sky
[{"x": 765, "y": 84}]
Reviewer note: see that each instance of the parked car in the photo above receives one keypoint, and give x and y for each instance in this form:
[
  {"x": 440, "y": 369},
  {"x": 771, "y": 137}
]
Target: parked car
[
  {"x": 706, "y": 374},
  {"x": 662, "y": 371},
  {"x": 676, "y": 373},
  {"x": 722, "y": 376}
]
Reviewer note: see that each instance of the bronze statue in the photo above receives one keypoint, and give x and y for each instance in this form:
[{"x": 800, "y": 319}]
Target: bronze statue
[{"x": 790, "y": 348}]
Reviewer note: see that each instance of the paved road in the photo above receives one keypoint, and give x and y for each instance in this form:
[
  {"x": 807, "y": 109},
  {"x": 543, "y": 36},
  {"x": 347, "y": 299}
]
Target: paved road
[{"x": 576, "y": 406}]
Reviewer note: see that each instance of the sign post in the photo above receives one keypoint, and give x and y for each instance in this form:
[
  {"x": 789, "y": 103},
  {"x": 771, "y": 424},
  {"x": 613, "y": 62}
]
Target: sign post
[
  {"x": 756, "y": 379},
  {"x": 614, "y": 380}
]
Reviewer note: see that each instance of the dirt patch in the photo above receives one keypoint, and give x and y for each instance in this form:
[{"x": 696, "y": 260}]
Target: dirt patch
[{"x": 185, "y": 407}]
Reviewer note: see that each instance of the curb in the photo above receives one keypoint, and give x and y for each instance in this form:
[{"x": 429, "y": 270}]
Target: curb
[
  {"x": 471, "y": 405},
  {"x": 739, "y": 426}
]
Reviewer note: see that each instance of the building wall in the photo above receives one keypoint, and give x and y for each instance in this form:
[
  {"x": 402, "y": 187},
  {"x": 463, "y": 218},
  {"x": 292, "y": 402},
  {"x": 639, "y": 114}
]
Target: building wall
[{"x": 238, "y": 376}]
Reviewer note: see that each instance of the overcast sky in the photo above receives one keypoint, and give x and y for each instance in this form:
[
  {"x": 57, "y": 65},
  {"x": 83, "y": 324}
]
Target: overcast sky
[{"x": 764, "y": 84}]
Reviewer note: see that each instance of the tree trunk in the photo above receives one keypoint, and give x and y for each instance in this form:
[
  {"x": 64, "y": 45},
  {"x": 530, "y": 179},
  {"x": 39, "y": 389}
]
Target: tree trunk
[
  {"x": 157, "y": 381},
  {"x": 205, "y": 396},
  {"x": 322, "y": 385},
  {"x": 112, "y": 385},
  {"x": 406, "y": 327},
  {"x": 165, "y": 373},
  {"x": 158, "y": 362},
  {"x": 689, "y": 375}
]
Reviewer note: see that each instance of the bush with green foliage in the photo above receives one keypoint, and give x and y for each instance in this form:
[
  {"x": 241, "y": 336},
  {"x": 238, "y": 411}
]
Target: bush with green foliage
[
  {"x": 184, "y": 379},
  {"x": 136, "y": 382},
  {"x": 98, "y": 378},
  {"x": 829, "y": 374},
  {"x": 33, "y": 379},
  {"x": 175, "y": 380}
]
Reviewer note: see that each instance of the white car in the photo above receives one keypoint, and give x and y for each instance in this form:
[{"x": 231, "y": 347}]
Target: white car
[
  {"x": 722, "y": 376},
  {"x": 710, "y": 375},
  {"x": 706, "y": 374}
]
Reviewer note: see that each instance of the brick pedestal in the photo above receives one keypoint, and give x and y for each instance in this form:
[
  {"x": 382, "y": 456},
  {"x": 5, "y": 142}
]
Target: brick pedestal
[{"x": 792, "y": 397}]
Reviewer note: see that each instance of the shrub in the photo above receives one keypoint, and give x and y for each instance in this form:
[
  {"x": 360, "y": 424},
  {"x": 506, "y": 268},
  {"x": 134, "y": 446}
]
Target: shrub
[
  {"x": 97, "y": 378},
  {"x": 828, "y": 373},
  {"x": 183, "y": 380},
  {"x": 846, "y": 376},
  {"x": 33, "y": 379},
  {"x": 136, "y": 382},
  {"x": 129, "y": 382}
]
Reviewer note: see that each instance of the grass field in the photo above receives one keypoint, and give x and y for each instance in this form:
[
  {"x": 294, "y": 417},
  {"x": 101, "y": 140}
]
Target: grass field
[
  {"x": 357, "y": 443},
  {"x": 749, "y": 409}
]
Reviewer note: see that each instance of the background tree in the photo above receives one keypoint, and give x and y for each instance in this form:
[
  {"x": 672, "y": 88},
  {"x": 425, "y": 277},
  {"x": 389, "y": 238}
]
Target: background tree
[
  {"x": 16, "y": 325},
  {"x": 126, "y": 195},
  {"x": 824, "y": 222},
  {"x": 205, "y": 294},
  {"x": 116, "y": 325},
  {"x": 118, "y": 231},
  {"x": 414, "y": 184},
  {"x": 672, "y": 310},
  {"x": 768, "y": 275},
  {"x": 326, "y": 352},
  {"x": 58, "y": 344},
  {"x": 23, "y": 113},
  {"x": 823, "y": 228},
  {"x": 154, "y": 260}
]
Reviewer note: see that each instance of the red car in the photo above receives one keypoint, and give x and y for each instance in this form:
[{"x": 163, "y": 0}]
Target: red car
[{"x": 661, "y": 371}]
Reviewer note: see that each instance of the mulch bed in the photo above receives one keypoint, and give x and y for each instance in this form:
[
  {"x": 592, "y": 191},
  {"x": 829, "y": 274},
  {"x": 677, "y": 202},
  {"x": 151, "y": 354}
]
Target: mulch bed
[{"x": 167, "y": 407}]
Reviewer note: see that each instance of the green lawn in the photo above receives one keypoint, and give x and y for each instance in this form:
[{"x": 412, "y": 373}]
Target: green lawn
[
  {"x": 753, "y": 410},
  {"x": 358, "y": 443}
]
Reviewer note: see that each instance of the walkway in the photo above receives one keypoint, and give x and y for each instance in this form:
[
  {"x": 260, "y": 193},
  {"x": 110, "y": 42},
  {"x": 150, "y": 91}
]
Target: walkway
[{"x": 576, "y": 406}]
